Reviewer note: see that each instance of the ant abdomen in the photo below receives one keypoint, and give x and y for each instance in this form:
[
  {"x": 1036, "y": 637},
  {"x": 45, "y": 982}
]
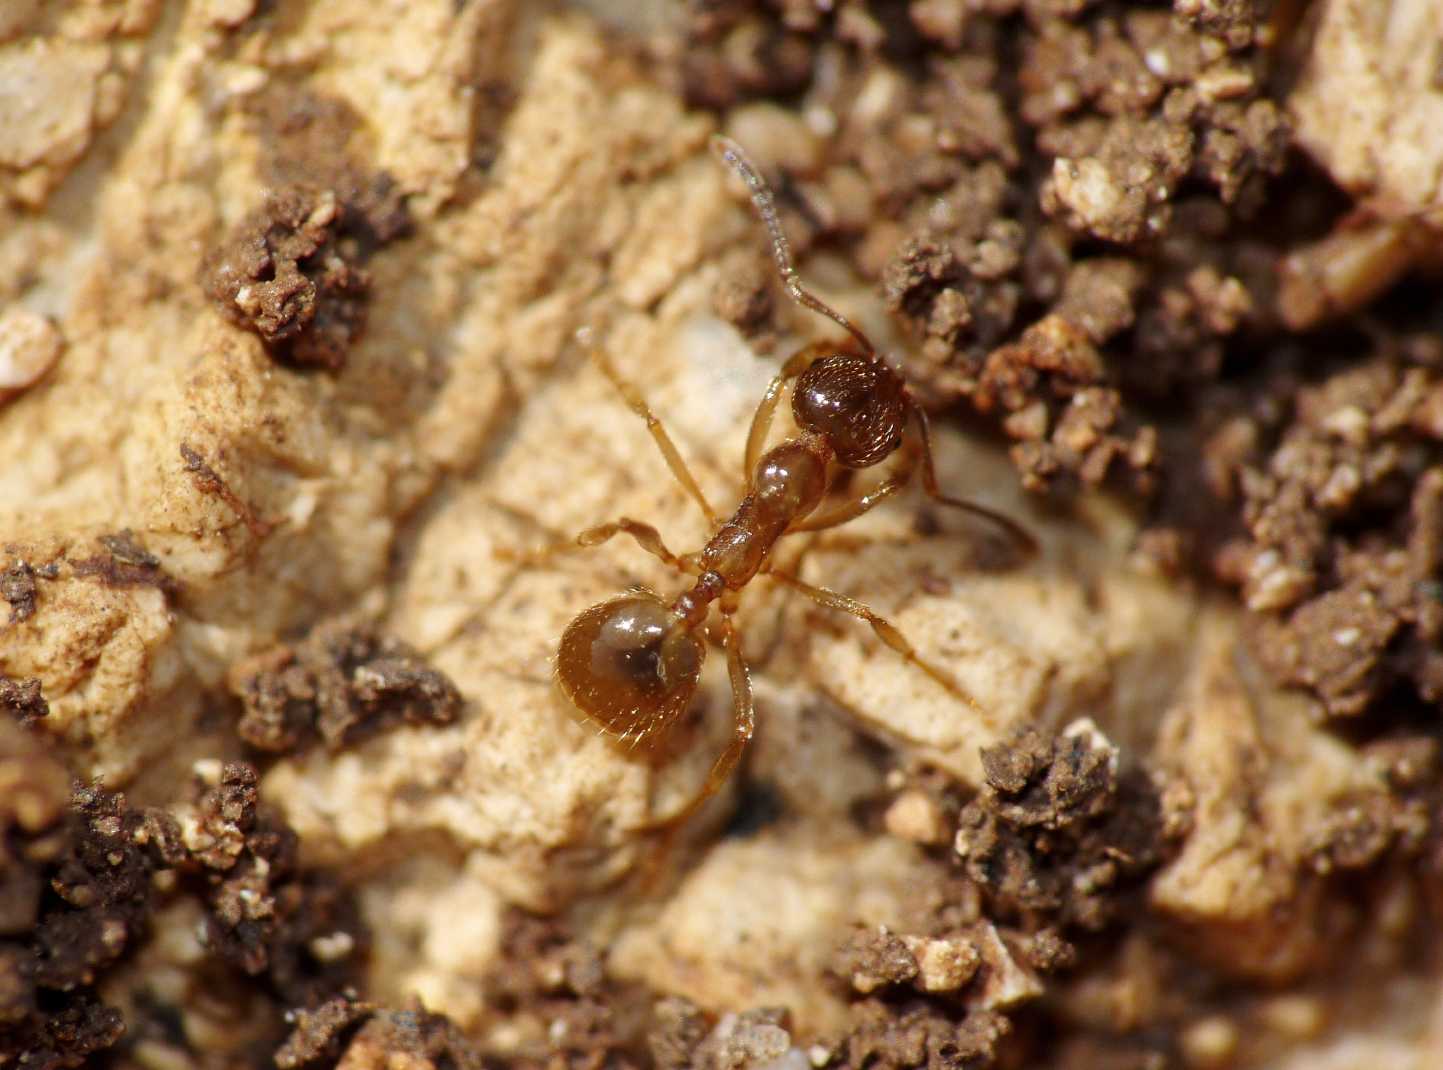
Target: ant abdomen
[
  {"x": 631, "y": 664},
  {"x": 858, "y": 405}
]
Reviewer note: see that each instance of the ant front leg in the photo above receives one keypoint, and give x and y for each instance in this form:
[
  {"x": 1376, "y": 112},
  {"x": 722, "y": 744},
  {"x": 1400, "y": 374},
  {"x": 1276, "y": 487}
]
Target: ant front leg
[
  {"x": 1020, "y": 536},
  {"x": 863, "y": 503},
  {"x": 800, "y": 361},
  {"x": 632, "y": 396},
  {"x": 886, "y": 631}
]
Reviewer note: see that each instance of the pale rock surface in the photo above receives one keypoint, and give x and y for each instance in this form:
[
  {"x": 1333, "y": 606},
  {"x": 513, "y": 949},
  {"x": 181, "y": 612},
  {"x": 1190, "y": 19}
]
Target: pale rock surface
[
  {"x": 1368, "y": 105},
  {"x": 755, "y": 922},
  {"x": 1262, "y": 778},
  {"x": 29, "y": 345},
  {"x": 468, "y": 424}
]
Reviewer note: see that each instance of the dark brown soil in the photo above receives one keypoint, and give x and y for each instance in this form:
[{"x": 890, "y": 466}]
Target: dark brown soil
[
  {"x": 1077, "y": 211},
  {"x": 293, "y": 269},
  {"x": 341, "y": 684},
  {"x": 78, "y": 887},
  {"x": 23, "y": 700},
  {"x": 17, "y": 586},
  {"x": 1058, "y": 834}
]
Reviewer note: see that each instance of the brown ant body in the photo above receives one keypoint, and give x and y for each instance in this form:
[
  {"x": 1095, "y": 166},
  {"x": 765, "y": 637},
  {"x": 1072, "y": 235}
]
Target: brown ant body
[{"x": 632, "y": 664}]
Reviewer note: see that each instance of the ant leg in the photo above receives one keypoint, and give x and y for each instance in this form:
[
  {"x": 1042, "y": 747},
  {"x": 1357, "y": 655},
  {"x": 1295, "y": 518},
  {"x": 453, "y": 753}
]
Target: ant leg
[
  {"x": 1020, "y": 536},
  {"x": 800, "y": 361},
  {"x": 863, "y": 503},
  {"x": 664, "y": 443},
  {"x": 743, "y": 725},
  {"x": 646, "y": 536},
  {"x": 885, "y": 631}
]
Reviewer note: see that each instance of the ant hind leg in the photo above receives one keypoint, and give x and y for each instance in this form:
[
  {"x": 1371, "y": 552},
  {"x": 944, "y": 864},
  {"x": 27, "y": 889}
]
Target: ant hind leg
[
  {"x": 886, "y": 631},
  {"x": 743, "y": 726},
  {"x": 646, "y": 536}
]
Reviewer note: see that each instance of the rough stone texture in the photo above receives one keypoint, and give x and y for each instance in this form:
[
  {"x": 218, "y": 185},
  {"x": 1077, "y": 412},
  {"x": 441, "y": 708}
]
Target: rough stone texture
[
  {"x": 1259, "y": 779},
  {"x": 29, "y": 345},
  {"x": 1368, "y": 107},
  {"x": 706, "y": 942},
  {"x": 185, "y": 503}
]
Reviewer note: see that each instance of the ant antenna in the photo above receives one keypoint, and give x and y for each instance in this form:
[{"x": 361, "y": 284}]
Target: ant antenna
[{"x": 731, "y": 154}]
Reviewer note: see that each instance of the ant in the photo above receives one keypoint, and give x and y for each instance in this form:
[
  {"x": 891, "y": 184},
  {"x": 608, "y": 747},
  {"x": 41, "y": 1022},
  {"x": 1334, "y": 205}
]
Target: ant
[{"x": 632, "y": 664}]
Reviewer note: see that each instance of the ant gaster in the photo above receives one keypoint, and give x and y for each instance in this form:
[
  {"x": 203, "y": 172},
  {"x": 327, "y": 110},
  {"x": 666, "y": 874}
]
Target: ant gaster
[{"x": 631, "y": 664}]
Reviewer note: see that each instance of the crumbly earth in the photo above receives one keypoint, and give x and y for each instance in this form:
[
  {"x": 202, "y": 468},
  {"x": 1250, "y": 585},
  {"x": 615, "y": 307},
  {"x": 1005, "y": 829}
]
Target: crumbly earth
[{"x": 297, "y": 301}]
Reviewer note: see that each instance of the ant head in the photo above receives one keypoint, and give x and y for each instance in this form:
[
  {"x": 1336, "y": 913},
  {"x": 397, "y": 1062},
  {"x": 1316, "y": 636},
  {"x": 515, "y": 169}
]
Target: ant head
[
  {"x": 858, "y": 404},
  {"x": 630, "y": 664}
]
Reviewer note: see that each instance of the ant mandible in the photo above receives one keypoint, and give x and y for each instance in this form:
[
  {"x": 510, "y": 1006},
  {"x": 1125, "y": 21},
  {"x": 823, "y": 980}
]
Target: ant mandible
[{"x": 632, "y": 664}]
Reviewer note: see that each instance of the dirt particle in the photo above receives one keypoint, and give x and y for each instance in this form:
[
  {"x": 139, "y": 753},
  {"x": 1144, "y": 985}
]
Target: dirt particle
[
  {"x": 563, "y": 1009},
  {"x": 1345, "y": 516},
  {"x": 293, "y": 270},
  {"x": 679, "y": 1029},
  {"x": 342, "y": 684},
  {"x": 208, "y": 481},
  {"x": 23, "y": 700},
  {"x": 871, "y": 959},
  {"x": 17, "y": 586},
  {"x": 74, "y": 896},
  {"x": 919, "y": 1035},
  {"x": 126, "y": 564},
  {"x": 281, "y": 275},
  {"x": 264, "y": 911},
  {"x": 754, "y": 1038},
  {"x": 944, "y": 964},
  {"x": 410, "y": 1037},
  {"x": 916, "y": 816},
  {"x": 29, "y": 345},
  {"x": 1058, "y": 831},
  {"x": 744, "y": 297},
  {"x": 320, "y": 1033},
  {"x": 1056, "y": 366}
]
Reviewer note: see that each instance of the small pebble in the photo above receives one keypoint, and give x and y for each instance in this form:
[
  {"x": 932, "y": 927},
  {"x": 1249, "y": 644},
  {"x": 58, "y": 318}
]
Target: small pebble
[{"x": 29, "y": 345}]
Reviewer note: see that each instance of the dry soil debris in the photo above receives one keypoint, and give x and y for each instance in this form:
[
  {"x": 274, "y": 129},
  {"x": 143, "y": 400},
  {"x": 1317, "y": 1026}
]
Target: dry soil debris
[
  {"x": 320, "y": 1033},
  {"x": 22, "y": 700},
  {"x": 562, "y": 1010},
  {"x": 919, "y": 1035},
  {"x": 1345, "y": 518},
  {"x": 342, "y": 683},
  {"x": 17, "y": 586},
  {"x": 74, "y": 895},
  {"x": 79, "y": 879},
  {"x": 1060, "y": 833},
  {"x": 295, "y": 928},
  {"x": 1124, "y": 108},
  {"x": 294, "y": 270},
  {"x": 291, "y": 271}
]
